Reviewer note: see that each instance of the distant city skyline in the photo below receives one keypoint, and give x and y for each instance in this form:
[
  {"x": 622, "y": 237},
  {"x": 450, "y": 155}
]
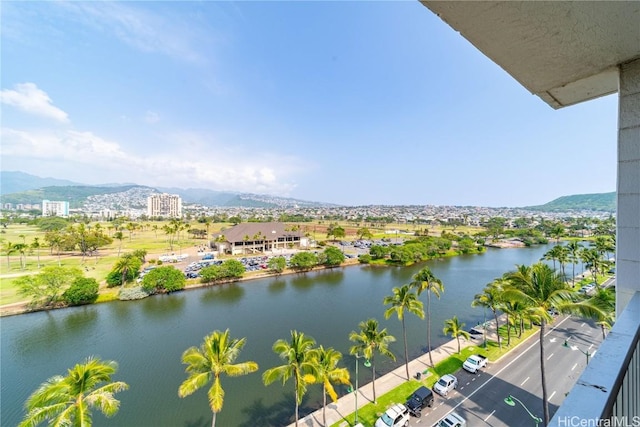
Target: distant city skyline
[{"x": 352, "y": 103}]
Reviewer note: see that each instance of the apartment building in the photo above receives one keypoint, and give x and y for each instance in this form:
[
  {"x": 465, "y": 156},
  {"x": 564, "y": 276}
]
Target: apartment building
[
  {"x": 55, "y": 208},
  {"x": 165, "y": 205}
]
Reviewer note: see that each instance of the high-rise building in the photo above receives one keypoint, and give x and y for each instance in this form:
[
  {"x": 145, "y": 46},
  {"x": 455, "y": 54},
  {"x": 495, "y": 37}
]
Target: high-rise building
[
  {"x": 166, "y": 205},
  {"x": 55, "y": 208}
]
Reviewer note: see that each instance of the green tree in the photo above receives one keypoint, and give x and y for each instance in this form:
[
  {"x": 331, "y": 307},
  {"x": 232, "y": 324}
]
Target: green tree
[
  {"x": 35, "y": 245},
  {"x": 332, "y": 256},
  {"x": 573, "y": 247},
  {"x": 425, "y": 281},
  {"x": 454, "y": 328},
  {"x": 490, "y": 298},
  {"x": 66, "y": 401},
  {"x": 327, "y": 372},
  {"x": 540, "y": 289},
  {"x": 277, "y": 264},
  {"x": 299, "y": 365},
  {"x": 232, "y": 269},
  {"x": 83, "y": 290},
  {"x": 215, "y": 357},
  {"x": 46, "y": 287},
  {"x": 303, "y": 261},
  {"x": 166, "y": 278},
  {"x": 364, "y": 233},
  {"x": 403, "y": 299},
  {"x": 127, "y": 266},
  {"x": 370, "y": 341}
]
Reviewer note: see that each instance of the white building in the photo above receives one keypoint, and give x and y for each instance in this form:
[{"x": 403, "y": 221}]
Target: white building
[
  {"x": 166, "y": 205},
  {"x": 55, "y": 208}
]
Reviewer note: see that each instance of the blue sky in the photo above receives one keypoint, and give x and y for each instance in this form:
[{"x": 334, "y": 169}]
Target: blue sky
[{"x": 351, "y": 103}]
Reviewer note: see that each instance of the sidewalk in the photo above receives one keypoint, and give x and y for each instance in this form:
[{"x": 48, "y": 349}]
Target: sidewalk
[{"x": 346, "y": 404}]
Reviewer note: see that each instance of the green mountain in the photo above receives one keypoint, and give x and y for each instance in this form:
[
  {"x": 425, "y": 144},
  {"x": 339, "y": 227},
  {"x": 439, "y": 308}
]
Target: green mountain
[
  {"x": 601, "y": 202},
  {"x": 76, "y": 195},
  {"x": 15, "y": 182}
]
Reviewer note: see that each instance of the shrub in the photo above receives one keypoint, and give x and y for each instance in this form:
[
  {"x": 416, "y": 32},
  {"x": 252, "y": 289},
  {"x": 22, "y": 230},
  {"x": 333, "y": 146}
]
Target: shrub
[
  {"x": 130, "y": 294},
  {"x": 83, "y": 290},
  {"x": 364, "y": 259},
  {"x": 168, "y": 279}
]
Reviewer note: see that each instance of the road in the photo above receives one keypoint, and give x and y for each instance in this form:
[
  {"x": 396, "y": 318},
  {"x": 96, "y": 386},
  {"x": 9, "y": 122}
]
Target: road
[{"x": 480, "y": 398}]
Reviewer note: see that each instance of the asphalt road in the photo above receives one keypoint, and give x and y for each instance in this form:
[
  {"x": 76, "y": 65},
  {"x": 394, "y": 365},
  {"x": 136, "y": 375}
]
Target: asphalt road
[{"x": 480, "y": 398}]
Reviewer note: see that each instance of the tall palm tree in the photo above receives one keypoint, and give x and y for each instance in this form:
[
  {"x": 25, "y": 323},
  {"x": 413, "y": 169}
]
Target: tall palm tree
[
  {"x": 425, "y": 281},
  {"x": 124, "y": 265},
  {"x": 369, "y": 341},
  {"x": 216, "y": 356},
  {"x": 298, "y": 365},
  {"x": 69, "y": 400},
  {"x": 490, "y": 298},
  {"x": 36, "y": 246},
  {"x": 454, "y": 328},
  {"x": 605, "y": 299},
  {"x": 328, "y": 373},
  {"x": 541, "y": 288},
  {"x": 574, "y": 249},
  {"x": 403, "y": 299}
]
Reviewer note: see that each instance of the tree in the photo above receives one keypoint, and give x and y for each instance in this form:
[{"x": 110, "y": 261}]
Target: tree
[
  {"x": 490, "y": 298},
  {"x": 364, "y": 233},
  {"x": 332, "y": 256},
  {"x": 573, "y": 247},
  {"x": 46, "y": 287},
  {"x": 303, "y": 261},
  {"x": 454, "y": 328},
  {"x": 83, "y": 290},
  {"x": 232, "y": 269},
  {"x": 127, "y": 266},
  {"x": 277, "y": 264},
  {"x": 8, "y": 249},
  {"x": 327, "y": 372},
  {"x": 35, "y": 245},
  {"x": 425, "y": 281},
  {"x": 298, "y": 365},
  {"x": 540, "y": 288},
  {"x": 69, "y": 400},
  {"x": 216, "y": 356},
  {"x": 370, "y": 341},
  {"x": 403, "y": 300},
  {"x": 119, "y": 236},
  {"x": 166, "y": 278}
]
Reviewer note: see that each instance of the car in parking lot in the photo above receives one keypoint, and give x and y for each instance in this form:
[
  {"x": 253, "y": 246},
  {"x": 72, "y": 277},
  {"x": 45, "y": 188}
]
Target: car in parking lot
[
  {"x": 453, "y": 419},
  {"x": 396, "y": 416},
  {"x": 587, "y": 288},
  {"x": 420, "y": 399},
  {"x": 445, "y": 384}
]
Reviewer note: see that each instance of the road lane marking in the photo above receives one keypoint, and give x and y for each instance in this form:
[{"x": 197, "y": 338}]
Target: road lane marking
[
  {"x": 551, "y": 395},
  {"x": 574, "y": 367},
  {"x": 489, "y": 415},
  {"x": 582, "y": 324},
  {"x": 590, "y": 346},
  {"x": 522, "y": 383},
  {"x": 550, "y": 356}
]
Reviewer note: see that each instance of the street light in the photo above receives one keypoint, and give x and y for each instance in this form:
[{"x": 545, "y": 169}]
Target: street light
[
  {"x": 575, "y": 347},
  {"x": 367, "y": 364},
  {"x": 509, "y": 400}
]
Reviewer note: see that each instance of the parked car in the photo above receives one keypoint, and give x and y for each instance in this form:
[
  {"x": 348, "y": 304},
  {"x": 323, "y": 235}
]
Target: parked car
[
  {"x": 476, "y": 333},
  {"x": 445, "y": 384},
  {"x": 474, "y": 363},
  {"x": 420, "y": 399},
  {"x": 395, "y": 416},
  {"x": 451, "y": 420}
]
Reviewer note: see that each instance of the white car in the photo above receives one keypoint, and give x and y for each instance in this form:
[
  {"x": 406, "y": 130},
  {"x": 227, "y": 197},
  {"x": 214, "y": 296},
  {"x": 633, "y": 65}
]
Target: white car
[
  {"x": 395, "y": 416},
  {"x": 445, "y": 384},
  {"x": 451, "y": 420}
]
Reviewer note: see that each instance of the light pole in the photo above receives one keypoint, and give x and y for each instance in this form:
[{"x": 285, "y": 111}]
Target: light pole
[
  {"x": 575, "y": 347},
  {"x": 509, "y": 400},
  {"x": 366, "y": 364}
]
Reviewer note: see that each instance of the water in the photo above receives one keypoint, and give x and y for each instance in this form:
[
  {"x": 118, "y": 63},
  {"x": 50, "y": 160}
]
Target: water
[{"x": 147, "y": 337}]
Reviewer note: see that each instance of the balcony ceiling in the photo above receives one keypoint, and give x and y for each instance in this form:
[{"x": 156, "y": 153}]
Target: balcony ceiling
[{"x": 565, "y": 52}]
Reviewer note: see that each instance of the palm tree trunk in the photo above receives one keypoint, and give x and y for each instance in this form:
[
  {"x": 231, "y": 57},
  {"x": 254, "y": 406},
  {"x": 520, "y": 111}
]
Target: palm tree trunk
[
  {"x": 545, "y": 399},
  {"x": 495, "y": 315},
  {"x": 373, "y": 378},
  {"x": 324, "y": 404},
  {"x": 458, "y": 338},
  {"x": 406, "y": 354},
  {"x": 213, "y": 421},
  {"x": 429, "y": 327},
  {"x": 295, "y": 391},
  {"x": 508, "y": 331}
]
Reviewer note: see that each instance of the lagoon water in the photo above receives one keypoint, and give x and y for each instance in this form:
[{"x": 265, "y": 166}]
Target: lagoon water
[{"x": 147, "y": 337}]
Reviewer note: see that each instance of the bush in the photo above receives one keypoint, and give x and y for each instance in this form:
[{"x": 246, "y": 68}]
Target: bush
[
  {"x": 83, "y": 290},
  {"x": 168, "y": 279},
  {"x": 364, "y": 259},
  {"x": 114, "y": 279},
  {"x": 130, "y": 294}
]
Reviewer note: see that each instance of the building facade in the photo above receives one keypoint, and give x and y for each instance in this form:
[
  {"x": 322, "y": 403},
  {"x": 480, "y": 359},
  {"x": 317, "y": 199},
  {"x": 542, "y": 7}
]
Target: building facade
[
  {"x": 164, "y": 205},
  {"x": 55, "y": 208}
]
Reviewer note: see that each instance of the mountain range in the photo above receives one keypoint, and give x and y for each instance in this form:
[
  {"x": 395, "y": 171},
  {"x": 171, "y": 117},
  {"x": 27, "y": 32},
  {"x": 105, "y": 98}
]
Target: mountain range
[{"x": 19, "y": 187}]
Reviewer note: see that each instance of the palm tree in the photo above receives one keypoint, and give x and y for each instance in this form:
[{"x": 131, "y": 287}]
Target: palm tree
[
  {"x": 605, "y": 299},
  {"x": 9, "y": 248},
  {"x": 369, "y": 341},
  {"x": 425, "y": 280},
  {"x": 124, "y": 265},
  {"x": 401, "y": 300},
  {"x": 327, "y": 372},
  {"x": 36, "y": 245},
  {"x": 541, "y": 288},
  {"x": 490, "y": 298},
  {"x": 454, "y": 328},
  {"x": 216, "y": 356},
  {"x": 69, "y": 400},
  {"x": 574, "y": 249},
  {"x": 299, "y": 366},
  {"x": 119, "y": 236}
]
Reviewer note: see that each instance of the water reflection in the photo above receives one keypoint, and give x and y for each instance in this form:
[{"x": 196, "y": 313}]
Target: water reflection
[
  {"x": 280, "y": 413},
  {"x": 223, "y": 294},
  {"x": 163, "y": 306},
  {"x": 277, "y": 286}
]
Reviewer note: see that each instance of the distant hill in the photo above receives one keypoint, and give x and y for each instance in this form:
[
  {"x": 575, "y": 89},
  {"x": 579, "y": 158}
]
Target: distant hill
[
  {"x": 76, "y": 195},
  {"x": 601, "y": 202},
  {"x": 16, "y": 182}
]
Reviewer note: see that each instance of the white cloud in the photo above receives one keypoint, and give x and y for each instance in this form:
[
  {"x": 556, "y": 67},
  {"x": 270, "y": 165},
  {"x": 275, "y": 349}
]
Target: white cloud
[
  {"x": 216, "y": 169},
  {"x": 27, "y": 97}
]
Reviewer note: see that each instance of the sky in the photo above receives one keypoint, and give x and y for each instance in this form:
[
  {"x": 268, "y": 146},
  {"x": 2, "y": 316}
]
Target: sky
[{"x": 352, "y": 103}]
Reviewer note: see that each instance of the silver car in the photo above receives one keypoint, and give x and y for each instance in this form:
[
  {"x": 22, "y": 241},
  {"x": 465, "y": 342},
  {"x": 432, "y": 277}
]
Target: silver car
[{"x": 445, "y": 384}]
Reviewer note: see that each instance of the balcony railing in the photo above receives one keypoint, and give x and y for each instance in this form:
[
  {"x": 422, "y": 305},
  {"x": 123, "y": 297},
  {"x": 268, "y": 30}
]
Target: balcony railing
[{"x": 608, "y": 391}]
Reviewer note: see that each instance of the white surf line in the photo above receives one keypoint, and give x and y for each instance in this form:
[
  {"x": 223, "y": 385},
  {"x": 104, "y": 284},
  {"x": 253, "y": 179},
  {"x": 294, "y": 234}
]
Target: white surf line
[
  {"x": 526, "y": 379},
  {"x": 488, "y": 416},
  {"x": 505, "y": 367},
  {"x": 574, "y": 367}
]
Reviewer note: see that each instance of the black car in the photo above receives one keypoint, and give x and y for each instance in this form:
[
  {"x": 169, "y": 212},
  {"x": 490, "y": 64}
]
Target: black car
[{"x": 421, "y": 398}]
